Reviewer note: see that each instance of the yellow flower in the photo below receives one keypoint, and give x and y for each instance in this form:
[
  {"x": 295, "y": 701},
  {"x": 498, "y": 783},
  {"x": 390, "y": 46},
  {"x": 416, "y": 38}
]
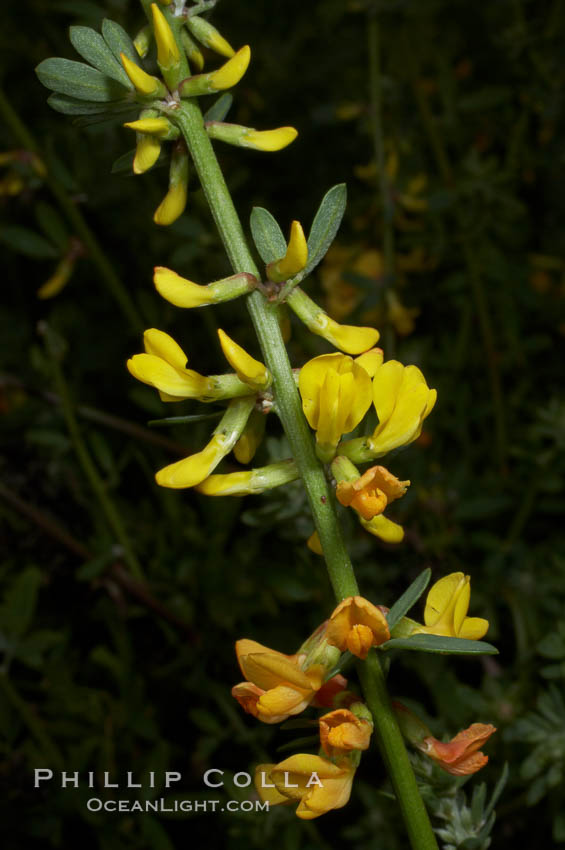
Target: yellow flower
[
  {"x": 384, "y": 528},
  {"x": 295, "y": 258},
  {"x": 194, "y": 469},
  {"x": 446, "y": 609},
  {"x": 143, "y": 82},
  {"x": 248, "y": 370},
  {"x": 357, "y": 625},
  {"x": 459, "y": 756},
  {"x": 277, "y": 686},
  {"x": 173, "y": 204},
  {"x": 349, "y": 338},
  {"x": 372, "y": 492},
  {"x": 336, "y": 394},
  {"x": 402, "y": 400},
  {"x": 318, "y": 785},
  {"x": 341, "y": 731},
  {"x": 168, "y": 54},
  {"x": 164, "y": 366}
]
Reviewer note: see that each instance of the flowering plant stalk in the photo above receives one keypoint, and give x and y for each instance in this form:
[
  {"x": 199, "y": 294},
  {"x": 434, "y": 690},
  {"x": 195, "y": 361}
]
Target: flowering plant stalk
[{"x": 331, "y": 396}]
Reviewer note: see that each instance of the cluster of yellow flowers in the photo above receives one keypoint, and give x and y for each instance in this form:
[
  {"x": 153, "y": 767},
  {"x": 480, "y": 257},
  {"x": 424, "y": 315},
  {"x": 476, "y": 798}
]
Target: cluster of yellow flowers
[
  {"x": 279, "y": 686},
  {"x": 153, "y": 127},
  {"x": 337, "y": 391}
]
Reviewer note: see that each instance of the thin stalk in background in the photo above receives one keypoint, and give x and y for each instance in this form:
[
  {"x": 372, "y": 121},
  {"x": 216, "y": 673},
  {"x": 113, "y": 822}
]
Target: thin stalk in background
[
  {"x": 97, "y": 485},
  {"x": 81, "y": 229}
]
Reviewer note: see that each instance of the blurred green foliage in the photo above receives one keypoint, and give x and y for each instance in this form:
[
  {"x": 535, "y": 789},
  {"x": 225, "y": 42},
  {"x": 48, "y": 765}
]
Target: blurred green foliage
[{"x": 103, "y": 671}]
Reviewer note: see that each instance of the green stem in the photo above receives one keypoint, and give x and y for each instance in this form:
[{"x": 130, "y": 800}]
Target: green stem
[
  {"x": 108, "y": 508},
  {"x": 75, "y": 217},
  {"x": 265, "y": 319},
  {"x": 394, "y": 754}
]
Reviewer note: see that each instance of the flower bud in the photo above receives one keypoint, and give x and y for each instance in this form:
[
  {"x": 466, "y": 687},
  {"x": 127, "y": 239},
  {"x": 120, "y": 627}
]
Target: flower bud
[
  {"x": 348, "y": 338},
  {"x": 173, "y": 204},
  {"x": 295, "y": 258},
  {"x": 247, "y": 137},
  {"x": 184, "y": 293},
  {"x": 249, "y": 370},
  {"x": 224, "y": 78},
  {"x": 209, "y": 36},
  {"x": 143, "y": 82}
]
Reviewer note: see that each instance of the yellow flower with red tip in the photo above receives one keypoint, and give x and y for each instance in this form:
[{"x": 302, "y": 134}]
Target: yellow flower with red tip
[
  {"x": 277, "y": 686},
  {"x": 357, "y": 625},
  {"x": 316, "y": 784},
  {"x": 341, "y": 731},
  {"x": 461, "y": 755},
  {"x": 446, "y": 609},
  {"x": 336, "y": 394}
]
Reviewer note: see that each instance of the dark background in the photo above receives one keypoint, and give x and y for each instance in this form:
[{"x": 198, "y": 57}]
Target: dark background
[{"x": 104, "y": 672}]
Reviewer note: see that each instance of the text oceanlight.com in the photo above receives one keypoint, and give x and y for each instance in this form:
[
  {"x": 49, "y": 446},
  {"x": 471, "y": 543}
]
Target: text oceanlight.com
[{"x": 95, "y": 804}]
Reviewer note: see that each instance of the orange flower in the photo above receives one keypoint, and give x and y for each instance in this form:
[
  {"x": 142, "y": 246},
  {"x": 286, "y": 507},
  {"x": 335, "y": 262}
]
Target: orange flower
[
  {"x": 357, "y": 625},
  {"x": 277, "y": 686},
  {"x": 341, "y": 731},
  {"x": 372, "y": 492},
  {"x": 460, "y": 756},
  {"x": 315, "y": 783}
]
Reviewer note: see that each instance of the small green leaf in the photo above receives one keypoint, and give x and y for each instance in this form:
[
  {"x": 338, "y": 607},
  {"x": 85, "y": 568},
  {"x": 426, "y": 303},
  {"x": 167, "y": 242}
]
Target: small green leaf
[
  {"x": 119, "y": 41},
  {"x": 20, "y": 601},
  {"x": 182, "y": 420},
  {"x": 267, "y": 235},
  {"x": 27, "y": 242},
  {"x": 325, "y": 225},
  {"x": 439, "y": 643},
  {"x": 72, "y": 106},
  {"x": 408, "y": 598},
  {"x": 219, "y": 108},
  {"x": 94, "y": 49},
  {"x": 52, "y": 225},
  {"x": 78, "y": 80}
]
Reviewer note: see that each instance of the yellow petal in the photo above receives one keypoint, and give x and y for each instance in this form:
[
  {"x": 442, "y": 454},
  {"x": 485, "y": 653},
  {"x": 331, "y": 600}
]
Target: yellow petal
[
  {"x": 144, "y": 83},
  {"x": 146, "y": 153},
  {"x": 162, "y": 345},
  {"x": 350, "y": 338},
  {"x": 282, "y": 701},
  {"x": 295, "y": 258},
  {"x": 462, "y": 599},
  {"x": 269, "y": 669},
  {"x": 269, "y": 140},
  {"x": 384, "y": 528},
  {"x": 263, "y": 782},
  {"x": 440, "y": 597},
  {"x": 180, "y": 291},
  {"x": 165, "y": 378},
  {"x": 473, "y": 628},
  {"x": 233, "y": 70},
  {"x": 334, "y": 795},
  {"x": 168, "y": 53},
  {"x": 371, "y": 361},
  {"x": 386, "y": 385},
  {"x": 248, "y": 370},
  {"x": 191, "y": 470},
  {"x": 172, "y": 206},
  {"x": 153, "y": 126}
]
